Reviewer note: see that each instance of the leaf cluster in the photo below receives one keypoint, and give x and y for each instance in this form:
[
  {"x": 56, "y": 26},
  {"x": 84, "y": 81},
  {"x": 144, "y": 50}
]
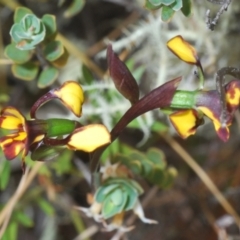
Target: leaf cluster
[
  {"x": 34, "y": 49},
  {"x": 117, "y": 195},
  {"x": 151, "y": 165},
  {"x": 169, "y": 7}
]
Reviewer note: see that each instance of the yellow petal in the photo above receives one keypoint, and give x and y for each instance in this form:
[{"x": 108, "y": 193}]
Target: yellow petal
[
  {"x": 11, "y": 111},
  {"x": 10, "y": 123},
  {"x": 222, "y": 131},
  {"x": 183, "y": 50},
  {"x": 11, "y": 119},
  {"x": 13, "y": 144},
  {"x": 71, "y": 94},
  {"x": 185, "y": 122},
  {"x": 233, "y": 93},
  {"x": 89, "y": 138}
]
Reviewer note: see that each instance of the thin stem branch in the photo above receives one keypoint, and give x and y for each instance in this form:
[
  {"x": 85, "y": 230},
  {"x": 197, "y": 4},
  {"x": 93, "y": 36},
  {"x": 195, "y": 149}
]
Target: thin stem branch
[
  {"x": 6, "y": 62},
  {"x": 211, "y": 23},
  {"x": 81, "y": 56}
]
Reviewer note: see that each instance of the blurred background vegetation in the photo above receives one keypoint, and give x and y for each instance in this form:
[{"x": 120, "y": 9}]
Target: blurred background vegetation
[{"x": 186, "y": 209}]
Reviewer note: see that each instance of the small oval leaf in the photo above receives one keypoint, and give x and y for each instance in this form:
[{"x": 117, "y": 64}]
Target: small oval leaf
[
  {"x": 19, "y": 13},
  {"x": 47, "y": 77},
  {"x": 27, "y": 71},
  {"x": 18, "y": 56},
  {"x": 49, "y": 22},
  {"x": 53, "y": 50}
]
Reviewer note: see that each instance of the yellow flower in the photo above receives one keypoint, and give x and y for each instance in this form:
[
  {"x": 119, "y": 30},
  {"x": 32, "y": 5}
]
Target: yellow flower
[
  {"x": 183, "y": 50},
  {"x": 18, "y": 139},
  {"x": 208, "y": 103}
]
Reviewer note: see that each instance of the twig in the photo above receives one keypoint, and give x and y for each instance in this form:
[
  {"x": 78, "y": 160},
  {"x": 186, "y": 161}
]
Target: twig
[
  {"x": 5, "y": 62},
  {"x": 88, "y": 233},
  {"x": 26, "y": 180},
  {"x": 81, "y": 56},
  {"x": 203, "y": 176},
  {"x": 211, "y": 23}
]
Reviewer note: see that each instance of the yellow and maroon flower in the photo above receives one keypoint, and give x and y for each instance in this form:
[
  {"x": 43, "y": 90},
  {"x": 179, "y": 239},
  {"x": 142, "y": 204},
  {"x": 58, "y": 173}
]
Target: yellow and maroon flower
[
  {"x": 189, "y": 108},
  {"x": 18, "y": 139},
  {"x": 23, "y": 136}
]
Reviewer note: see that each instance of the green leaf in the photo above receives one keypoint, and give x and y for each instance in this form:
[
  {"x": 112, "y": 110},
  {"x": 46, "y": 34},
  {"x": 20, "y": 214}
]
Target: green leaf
[
  {"x": 146, "y": 164},
  {"x": 46, "y": 206},
  {"x": 177, "y": 5},
  {"x": 5, "y": 170},
  {"x": 150, "y": 6},
  {"x": 167, "y": 2},
  {"x": 28, "y": 33},
  {"x": 75, "y": 7},
  {"x": 109, "y": 209},
  {"x": 155, "y": 2},
  {"x": 53, "y": 50},
  {"x": 23, "y": 219},
  {"x": 157, "y": 157},
  {"x": 46, "y": 153},
  {"x": 103, "y": 190},
  {"x": 110, "y": 151},
  {"x": 117, "y": 197},
  {"x": 27, "y": 71},
  {"x": 170, "y": 176},
  {"x": 187, "y": 7},
  {"x": 159, "y": 127},
  {"x": 63, "y": 164},
  {"x": 167, "y": 13},
  {"x": 18, "y": 56},
  {"x": 159, "y": 2},
  {"x": 61, "y": 62},
  {"x": 47, "y": 77},
  {"x": 49, "y": 22},
  {"x": 20, "y": 12},
  {"x": 11, "y": 232}
]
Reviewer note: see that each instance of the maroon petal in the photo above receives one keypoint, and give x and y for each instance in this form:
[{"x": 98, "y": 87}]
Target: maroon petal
[{"x": 122, "y": 77}]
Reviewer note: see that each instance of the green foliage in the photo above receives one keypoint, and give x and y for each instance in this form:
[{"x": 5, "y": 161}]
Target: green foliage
[
  {"x": 49, "y": 22},
  {"x": 152, "y": 166},
  {"x": 169, "y": 7},
  {"x": 117, "y": 195},
  {"x": 11, "y": 231},
  {"x": 20, "y": 13},
  {"x": 18, "y": 218},
  {"x": 45, "y": 206},
  {"x": 27, "y": 71},
  {"x": 75, "y": 7},
  {"x": 53, "y": 50},
  {"x": 12, "y": 52},
  {"x": 28, "y": 33},
  {"x": 23, "y": 219},
  {"x": 47, "y": 77},
  {"x": 31, "y": 37}
]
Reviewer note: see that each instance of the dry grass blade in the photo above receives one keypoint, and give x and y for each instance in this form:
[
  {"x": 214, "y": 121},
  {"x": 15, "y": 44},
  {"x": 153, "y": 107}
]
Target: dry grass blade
[
  {"x": 26, "y": 180},
  {"x": 203, "y": 176}
]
